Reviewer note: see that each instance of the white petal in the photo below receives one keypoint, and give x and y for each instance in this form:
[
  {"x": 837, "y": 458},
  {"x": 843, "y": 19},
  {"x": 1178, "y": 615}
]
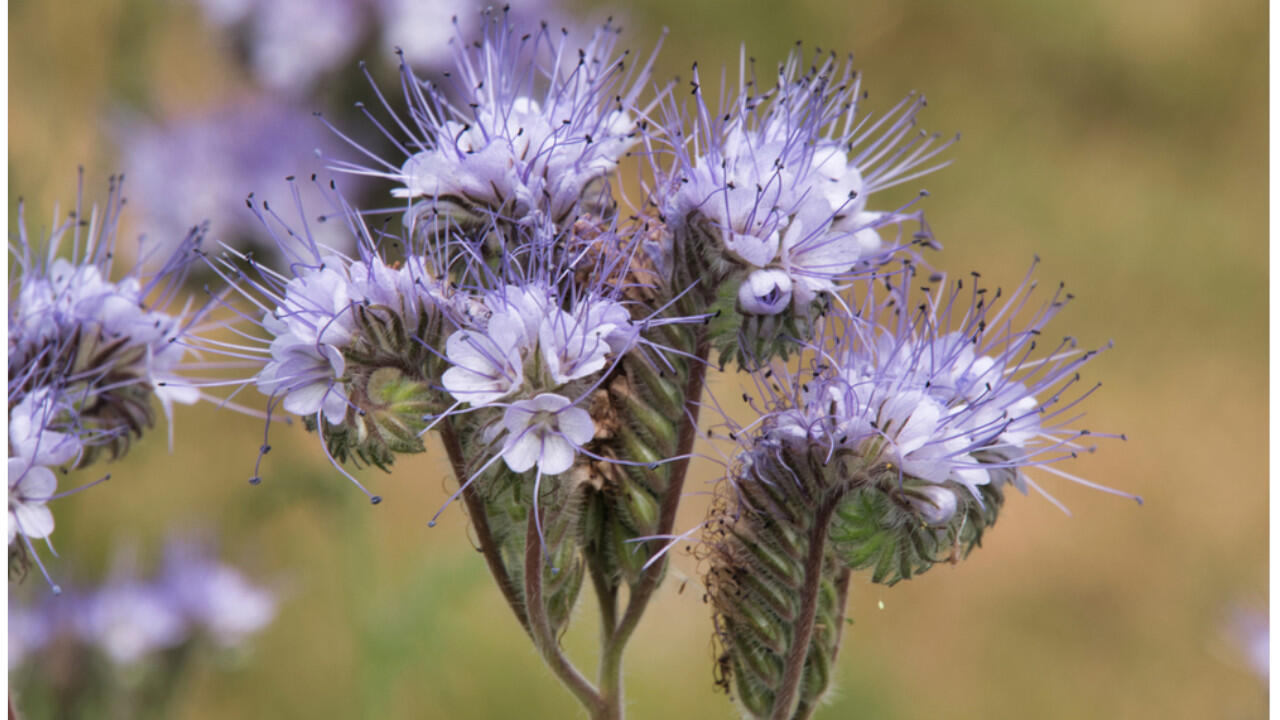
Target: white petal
[
  {"x": 752, "y": 250},
  {"x": 521, "y": 451},
  {"x": 937, "y": 506},
  {"x": 576, "y": 425},
  {"x": 547, "y": 402},
  {"x": 307, "y": 399},
  {"x": 34, "y": 521},
  {"x": 335, "y": 405},
  {"x": 868, "y": 241},
  {"x": 557, "y": 455},
  {"x": 971, "y": 477},
  {"x": 57, "y": 448},
  {"x": 173, "y": 391},
  {"x": 37, "y": 483}
]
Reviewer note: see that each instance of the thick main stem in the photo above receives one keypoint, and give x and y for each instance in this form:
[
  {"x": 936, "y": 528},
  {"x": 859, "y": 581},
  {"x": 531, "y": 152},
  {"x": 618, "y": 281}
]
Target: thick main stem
[
  {"x": 842, "y": 597},
  {"x": 540, "y": 627},
  {"x": 480, "y": 522},
  {"x": 784, "y": 702}
]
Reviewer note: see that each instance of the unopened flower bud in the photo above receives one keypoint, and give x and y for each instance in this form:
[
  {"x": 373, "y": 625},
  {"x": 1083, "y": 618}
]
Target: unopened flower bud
[{"x": 935, "y": 504}]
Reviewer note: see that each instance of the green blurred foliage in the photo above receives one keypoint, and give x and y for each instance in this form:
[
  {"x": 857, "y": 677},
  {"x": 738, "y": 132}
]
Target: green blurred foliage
[{"x": 1125, "y": 143}]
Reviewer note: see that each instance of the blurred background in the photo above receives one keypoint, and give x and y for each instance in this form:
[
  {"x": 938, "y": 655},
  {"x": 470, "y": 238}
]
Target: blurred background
[{"x": 1125, "y": 143}]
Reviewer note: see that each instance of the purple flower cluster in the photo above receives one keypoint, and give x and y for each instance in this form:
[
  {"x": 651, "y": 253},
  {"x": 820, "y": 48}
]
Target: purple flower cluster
[
  {"x": 951, "y": 390},
  {"x": 558, "y": 334},
  {"x": 524, "y": 130},
  {"x": 531, "y": 353},
  {"x": 779, "y": 179},
  {"x": 88, "y": 353}
]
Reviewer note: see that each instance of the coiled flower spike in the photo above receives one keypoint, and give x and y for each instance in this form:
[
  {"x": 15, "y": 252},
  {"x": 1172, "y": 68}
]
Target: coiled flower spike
[
  {"x": 87, "y": 353},
  {"x": 348, "y": 343},
  {"x": 890, "y": 450},
  {"x": 767, "y": 199},
  {"x": 526, "y": 130}
]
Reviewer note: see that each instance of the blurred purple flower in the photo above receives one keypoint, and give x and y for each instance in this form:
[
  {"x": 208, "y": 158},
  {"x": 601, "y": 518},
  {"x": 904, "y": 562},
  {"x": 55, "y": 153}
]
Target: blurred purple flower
[
  {"x": 214, "y": 596},
  {"x": 29, "y": 632},
  {"x": 423, "y": 30},
  {"x": 202, "y": 167},
  {"x": 129, "y": 620},
  {"x": 291, "y": 43}
]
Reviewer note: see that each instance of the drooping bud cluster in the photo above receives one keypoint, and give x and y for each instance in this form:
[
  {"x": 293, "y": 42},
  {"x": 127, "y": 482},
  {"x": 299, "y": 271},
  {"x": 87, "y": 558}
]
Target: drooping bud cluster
[
  {"x": 767, "y": 198},
  {"x": 87, "y": 353},
  {"x": 889, "y": 451}
]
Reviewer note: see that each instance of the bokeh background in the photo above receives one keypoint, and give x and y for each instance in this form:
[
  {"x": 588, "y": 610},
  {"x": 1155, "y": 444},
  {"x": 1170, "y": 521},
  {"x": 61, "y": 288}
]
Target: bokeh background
[{"x": 1125, "y": 143}]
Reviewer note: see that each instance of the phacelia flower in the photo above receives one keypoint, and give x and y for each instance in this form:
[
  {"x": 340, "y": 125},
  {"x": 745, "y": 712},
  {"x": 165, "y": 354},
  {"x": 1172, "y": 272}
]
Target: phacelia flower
[
  {"x": 777, "y": 182},
  {"x": 526, "y": 129},
  {"x": 315, "y": 315},
  {"x": 950, "y": 394},
  {"x": 528, "y": 347},
  {"x": 545, "y": 431},
  {"x": 36, "y": 449},
  {"x": 349, "y": 343},
  {"x": 87, "y": 353},
  {"x": 30, "y": 487}
]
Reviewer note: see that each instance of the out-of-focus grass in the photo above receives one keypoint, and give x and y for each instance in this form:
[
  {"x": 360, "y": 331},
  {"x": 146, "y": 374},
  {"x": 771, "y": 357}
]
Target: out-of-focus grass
[{"x": 1122, "y": 142}]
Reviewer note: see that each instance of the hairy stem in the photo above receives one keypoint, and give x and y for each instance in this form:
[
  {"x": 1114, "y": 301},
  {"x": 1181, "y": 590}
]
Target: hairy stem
[
  {"x": 480, "y": 522},
  {"x": 540, "y": 627},
  {"x": 610, "y": 673},
  {"x": 611, "y": 682},
  {"x": 793, "y": 671}
]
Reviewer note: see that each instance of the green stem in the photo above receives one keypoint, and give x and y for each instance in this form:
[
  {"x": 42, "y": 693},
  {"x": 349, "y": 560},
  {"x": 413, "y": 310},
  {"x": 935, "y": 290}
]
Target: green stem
[
  {"x": 540, "y": 627},
  {"x": 842, "y": 597},
  {"x": 784, "y": 702},
  {"x": 610, "y": 672},
  {"x": 480, "y": 522},
  {"x": 611, "y": 683}
]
